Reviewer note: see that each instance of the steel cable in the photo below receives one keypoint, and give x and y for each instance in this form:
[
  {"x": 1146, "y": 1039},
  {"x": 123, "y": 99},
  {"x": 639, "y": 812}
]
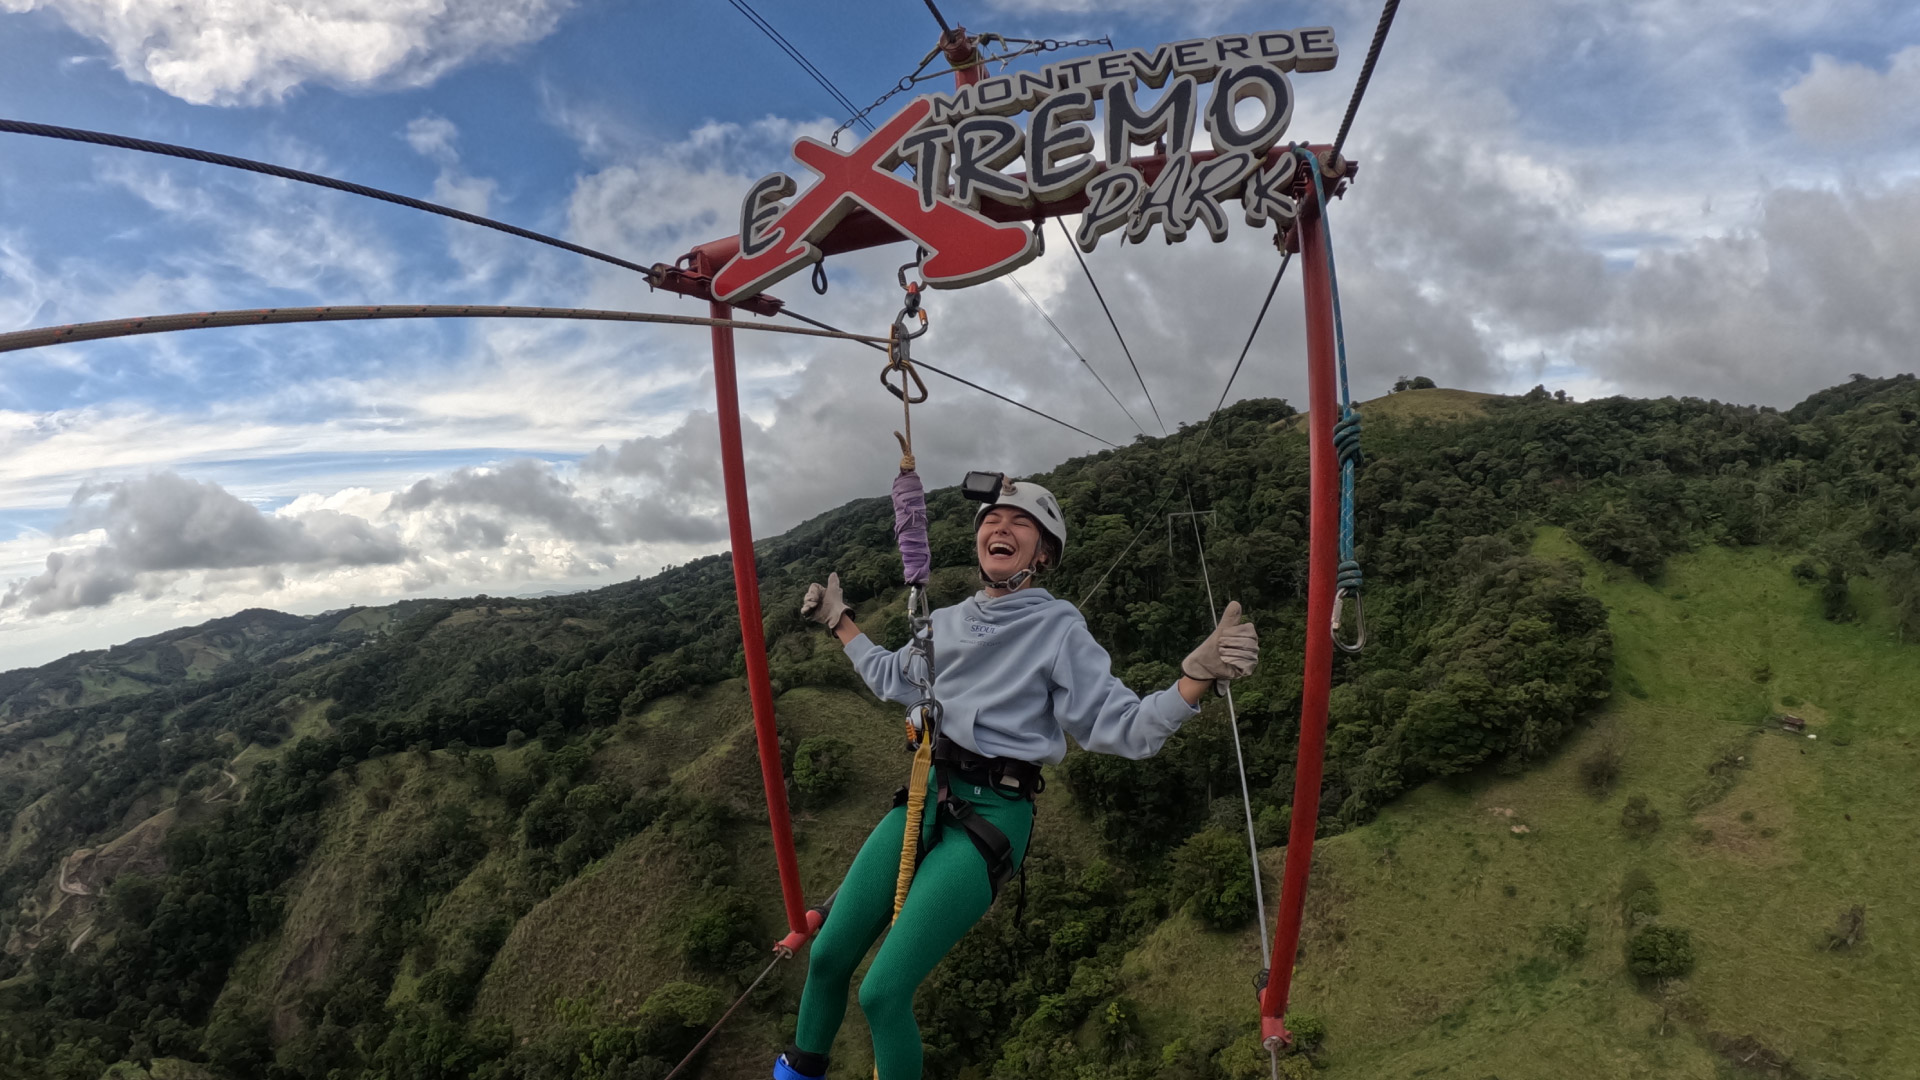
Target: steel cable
[
  {"x": 778, "y": 956},
  {"x": 1233, "y": 725},
  {"x": 159, "y": 324},
  {"x": 1111, "y": 322},
  {"x": 918, "y": 362},
  {"x": 798, "y": 57},
  {"x": 1071, "y": 347},
  {"x": 1205, "y": 428},
  {"x": 188, "y": 153},
  {"x": 1366, "y": 72}
]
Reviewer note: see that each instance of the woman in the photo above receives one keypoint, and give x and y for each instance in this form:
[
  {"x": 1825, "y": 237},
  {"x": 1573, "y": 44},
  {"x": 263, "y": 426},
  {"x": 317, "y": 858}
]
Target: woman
[{"x": 1017, "y": 672}]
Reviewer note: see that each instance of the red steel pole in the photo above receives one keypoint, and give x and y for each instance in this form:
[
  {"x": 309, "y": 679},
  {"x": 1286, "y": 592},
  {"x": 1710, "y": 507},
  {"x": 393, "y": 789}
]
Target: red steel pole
[
  {"x": 959, "y": 46},
  {"x": 1323, "y": 552},
  {"x": 746, "y": 585}
]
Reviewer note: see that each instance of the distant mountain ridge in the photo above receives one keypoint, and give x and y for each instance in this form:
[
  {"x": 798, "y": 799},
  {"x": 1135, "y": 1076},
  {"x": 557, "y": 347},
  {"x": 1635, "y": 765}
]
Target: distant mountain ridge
[{"x": 523, "y": 839}]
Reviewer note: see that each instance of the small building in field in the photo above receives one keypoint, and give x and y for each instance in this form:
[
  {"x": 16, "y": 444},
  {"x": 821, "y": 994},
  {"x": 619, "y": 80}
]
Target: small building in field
[{"x": 1790, "y": 722}]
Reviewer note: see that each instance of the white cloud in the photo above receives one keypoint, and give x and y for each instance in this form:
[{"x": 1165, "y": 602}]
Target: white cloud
[
  {"x": 1821, "y": 284},
  {"x": 1837, "y": 103},
  {"x": 254, "y": 51},
  {"x": 149, "y": 530},
  {"x": 168, "y": 547}
]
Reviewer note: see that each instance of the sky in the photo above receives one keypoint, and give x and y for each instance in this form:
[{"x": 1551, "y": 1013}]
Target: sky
[{"x": 1642, "y": 197}]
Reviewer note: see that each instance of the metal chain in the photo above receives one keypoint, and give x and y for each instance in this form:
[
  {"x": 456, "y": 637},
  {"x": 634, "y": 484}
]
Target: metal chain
[
  {"x": 920, "y": 615},
  {"x": 920, "y": 74},
  {"x": 912, "y": 389}
]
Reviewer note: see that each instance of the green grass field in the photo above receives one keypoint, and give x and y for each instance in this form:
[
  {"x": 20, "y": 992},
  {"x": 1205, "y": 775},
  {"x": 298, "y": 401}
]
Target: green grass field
[{"x": 1424, "y": 950}]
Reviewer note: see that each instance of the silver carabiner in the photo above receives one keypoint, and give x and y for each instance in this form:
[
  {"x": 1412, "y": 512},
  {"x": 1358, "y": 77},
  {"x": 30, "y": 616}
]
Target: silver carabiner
[{"x": 1359, "y": 622}]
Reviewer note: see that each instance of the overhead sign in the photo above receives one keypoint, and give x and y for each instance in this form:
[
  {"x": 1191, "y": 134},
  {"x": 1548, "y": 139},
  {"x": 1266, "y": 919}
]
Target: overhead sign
[{"x": 961, "y": 146}]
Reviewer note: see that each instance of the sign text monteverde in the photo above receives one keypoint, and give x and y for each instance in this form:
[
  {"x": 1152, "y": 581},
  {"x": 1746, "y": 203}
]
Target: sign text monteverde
[{"x": 960, "y": 148}]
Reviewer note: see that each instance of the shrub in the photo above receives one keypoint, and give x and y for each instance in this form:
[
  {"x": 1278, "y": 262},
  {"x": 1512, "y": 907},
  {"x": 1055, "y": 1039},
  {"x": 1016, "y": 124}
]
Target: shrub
[
  {"x": 1210, "y": 873},
  {"x": 822, "y": 766},
  {"x": 1641, "y": 907},
  {"x": 1639, "y": 819},
  {"x": 712, "y": 925},
  {"x": 1308, "y": 1031},
  {"x": 1639, "y": 899},
  {"x": 1567, "y": 939},
  {"x": 673, "y": 1017},
  {"x": 1660, "y": 952},
  {"x": 1270, "y": 828}
]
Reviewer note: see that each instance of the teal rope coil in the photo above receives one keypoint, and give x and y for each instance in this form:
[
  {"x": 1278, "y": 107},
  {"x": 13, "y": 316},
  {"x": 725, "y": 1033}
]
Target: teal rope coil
[{"x": 1346, "y": 430}]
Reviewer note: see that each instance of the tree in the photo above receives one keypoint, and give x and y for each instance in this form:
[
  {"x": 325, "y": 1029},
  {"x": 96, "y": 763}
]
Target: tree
[
  {"x": 822, "y": 765},
  {"x": 1660, "y": 952},
  {"x": 1212, "y": 876}
]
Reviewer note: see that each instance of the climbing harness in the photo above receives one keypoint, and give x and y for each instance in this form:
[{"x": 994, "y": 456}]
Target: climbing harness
[{"x": 1346, "y": 443}]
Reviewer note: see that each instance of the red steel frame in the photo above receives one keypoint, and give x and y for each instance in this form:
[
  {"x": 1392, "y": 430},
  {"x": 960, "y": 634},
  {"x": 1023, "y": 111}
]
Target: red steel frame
[
  {"x": 860, "y": 229},
  {"x": 1323, "y": 553}
]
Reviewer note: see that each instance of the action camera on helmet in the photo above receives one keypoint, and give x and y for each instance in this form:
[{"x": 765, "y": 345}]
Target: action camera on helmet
[{"x": 983, "y": 487}]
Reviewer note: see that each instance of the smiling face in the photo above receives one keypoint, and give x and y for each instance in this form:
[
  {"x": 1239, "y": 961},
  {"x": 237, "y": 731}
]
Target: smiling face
[{"x": 1007, "y": 542}]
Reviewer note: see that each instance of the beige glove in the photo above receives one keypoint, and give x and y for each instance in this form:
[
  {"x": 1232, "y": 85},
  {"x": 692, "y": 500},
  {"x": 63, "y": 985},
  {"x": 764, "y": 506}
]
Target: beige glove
[
  {"x": 1228, "y": 653},
  {"x": 824, "y": 605}
]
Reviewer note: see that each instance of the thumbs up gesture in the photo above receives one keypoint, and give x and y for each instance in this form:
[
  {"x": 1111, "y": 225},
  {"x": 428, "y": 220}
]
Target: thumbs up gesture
[
  {"x": 1230, "y": 652},
  {"x": 823, "y": 603}
]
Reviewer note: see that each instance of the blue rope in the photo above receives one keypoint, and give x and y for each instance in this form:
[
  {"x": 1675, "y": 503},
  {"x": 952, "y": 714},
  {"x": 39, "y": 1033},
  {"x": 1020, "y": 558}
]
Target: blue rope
[{"x": 1346, "y": 430}]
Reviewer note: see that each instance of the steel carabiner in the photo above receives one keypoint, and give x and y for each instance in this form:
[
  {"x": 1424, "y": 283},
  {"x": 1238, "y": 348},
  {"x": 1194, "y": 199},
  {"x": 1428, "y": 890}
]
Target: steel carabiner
[
  {"x": 912, "y": 389},
  {"x": 1359, "y": 622}
]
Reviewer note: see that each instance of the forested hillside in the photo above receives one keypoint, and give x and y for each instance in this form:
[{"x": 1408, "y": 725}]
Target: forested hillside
[{"x": 523, "y": 838}]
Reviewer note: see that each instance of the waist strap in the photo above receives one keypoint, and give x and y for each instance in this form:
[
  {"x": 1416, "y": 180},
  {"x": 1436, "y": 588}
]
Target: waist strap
[{"x": 1003, "y": 775}]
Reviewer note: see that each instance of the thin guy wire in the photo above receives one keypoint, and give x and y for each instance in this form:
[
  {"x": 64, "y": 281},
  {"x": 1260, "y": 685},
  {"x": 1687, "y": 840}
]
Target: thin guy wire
[
  {"x": 1233, "y": 724},
  {"x": 1076, "y": 352},
  {"x": 789, "y": 312},
  {"x": 1111, "y": 567},
  {"x": 1258, "y": 319},
  {"x": 1110, "y": 322},
  {"x": 38, "y": 337},
  {"x": 793, "y": 51},
  {"x": 1366, "y": 72},
  {"x": 1204, "y": 429},
  {"x": 715, "y": 1029},
  {"x": 147, "y": 146}
]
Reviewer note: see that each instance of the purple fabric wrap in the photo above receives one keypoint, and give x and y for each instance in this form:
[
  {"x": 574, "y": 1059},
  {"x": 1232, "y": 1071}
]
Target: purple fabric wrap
[{"x": 910, "y": 527}]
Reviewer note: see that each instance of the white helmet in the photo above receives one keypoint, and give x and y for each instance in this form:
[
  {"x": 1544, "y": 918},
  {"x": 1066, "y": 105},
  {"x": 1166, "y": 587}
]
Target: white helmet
[{"x": 1036, "y": 502}]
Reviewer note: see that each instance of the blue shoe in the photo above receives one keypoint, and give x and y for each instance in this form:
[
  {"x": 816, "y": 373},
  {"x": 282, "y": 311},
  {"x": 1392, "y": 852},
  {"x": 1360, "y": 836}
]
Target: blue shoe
[{"x": 784, "y": 1071}]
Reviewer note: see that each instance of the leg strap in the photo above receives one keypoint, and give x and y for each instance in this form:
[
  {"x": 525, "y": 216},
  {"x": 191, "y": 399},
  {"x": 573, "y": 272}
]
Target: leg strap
[{"x": 988, "y": 840}]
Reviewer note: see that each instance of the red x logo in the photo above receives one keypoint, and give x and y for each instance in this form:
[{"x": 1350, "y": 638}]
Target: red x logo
[{"x": 964, "y": 246}]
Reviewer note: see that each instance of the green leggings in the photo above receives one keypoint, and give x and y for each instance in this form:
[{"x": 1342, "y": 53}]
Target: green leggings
[{"x": 950, "y": 893}]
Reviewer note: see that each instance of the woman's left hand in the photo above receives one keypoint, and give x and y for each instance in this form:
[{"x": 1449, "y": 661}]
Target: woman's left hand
[{"x": 1230, "y": 652}]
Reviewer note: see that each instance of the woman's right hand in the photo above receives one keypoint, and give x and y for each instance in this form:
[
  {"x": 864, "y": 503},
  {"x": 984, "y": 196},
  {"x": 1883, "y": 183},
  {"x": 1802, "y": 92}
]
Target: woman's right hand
[{"x": 823, "y": 603}]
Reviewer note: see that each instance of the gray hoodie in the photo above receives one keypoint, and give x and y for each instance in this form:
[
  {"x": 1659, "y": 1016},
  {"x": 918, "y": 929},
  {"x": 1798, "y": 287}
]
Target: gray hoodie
[{"x": 1016, "y": 674}]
